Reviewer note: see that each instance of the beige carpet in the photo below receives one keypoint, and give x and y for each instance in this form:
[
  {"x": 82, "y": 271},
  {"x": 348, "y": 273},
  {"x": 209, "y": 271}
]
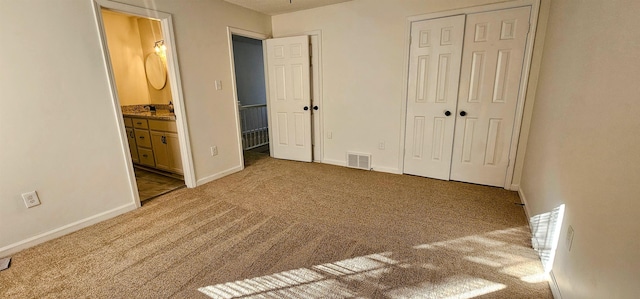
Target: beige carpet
[{"x": 282, "y": 229}]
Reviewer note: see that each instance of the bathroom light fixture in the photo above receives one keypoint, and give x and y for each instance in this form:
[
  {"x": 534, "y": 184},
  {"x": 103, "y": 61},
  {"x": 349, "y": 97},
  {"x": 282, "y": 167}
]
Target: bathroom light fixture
[{"x": 159, "y": 46}]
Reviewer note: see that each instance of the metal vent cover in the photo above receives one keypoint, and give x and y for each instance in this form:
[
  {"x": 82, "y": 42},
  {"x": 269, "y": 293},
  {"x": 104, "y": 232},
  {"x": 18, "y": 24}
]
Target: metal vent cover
[{"x": 358, "y": 160}]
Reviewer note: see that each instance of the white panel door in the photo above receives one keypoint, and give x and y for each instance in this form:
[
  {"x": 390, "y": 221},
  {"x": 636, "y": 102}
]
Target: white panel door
[
  {"x": 492, "y": 62},
  {"x": 434, "y": 69},
  {"x": 289, "y": 98}
]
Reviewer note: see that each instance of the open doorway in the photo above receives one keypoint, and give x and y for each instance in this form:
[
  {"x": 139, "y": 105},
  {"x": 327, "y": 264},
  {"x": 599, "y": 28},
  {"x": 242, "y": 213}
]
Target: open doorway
[
  {"x": 265, "y": 116},
  {"x": 138, "y": 60},
  {"x": 248, "y": 60}
]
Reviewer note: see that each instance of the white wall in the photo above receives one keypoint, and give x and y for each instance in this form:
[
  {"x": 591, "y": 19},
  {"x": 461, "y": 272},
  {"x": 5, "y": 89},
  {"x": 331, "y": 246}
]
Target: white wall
[
  {"x": 150, "y": 32},
  {"x": 203, "y": 53},
  {"x": 364, "y": 44},
  {"x": 584, "y": 145},
  {"x": 58, "y": 123},
  {"x": 249, "y": 66},
  {"x": 127, "y": 59},
  {"x": 58, "y": 128}
]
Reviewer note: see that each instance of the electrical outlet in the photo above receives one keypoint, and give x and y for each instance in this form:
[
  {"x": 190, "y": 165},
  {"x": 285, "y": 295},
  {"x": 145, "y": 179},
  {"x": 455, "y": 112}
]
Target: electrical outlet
[
  {"x": 570, "y": 234},
  {"x": 381, "y": 145},
  {"x": 218, "y": 84},
  {"x": 214, "y": 150},
  {"x": 329, "y": 135},
  {"x": 31, "y": 199}
]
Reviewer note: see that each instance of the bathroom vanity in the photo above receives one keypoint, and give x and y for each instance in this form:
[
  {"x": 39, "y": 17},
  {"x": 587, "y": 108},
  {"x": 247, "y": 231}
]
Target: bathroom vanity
[{"x": 153, "y": 140}]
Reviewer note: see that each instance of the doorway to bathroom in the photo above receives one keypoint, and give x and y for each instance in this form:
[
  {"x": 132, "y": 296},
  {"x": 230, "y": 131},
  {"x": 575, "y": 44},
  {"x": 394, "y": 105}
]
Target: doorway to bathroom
[
  {"x": 147, "y": 96},
  {"x": 138, "y": 60}
]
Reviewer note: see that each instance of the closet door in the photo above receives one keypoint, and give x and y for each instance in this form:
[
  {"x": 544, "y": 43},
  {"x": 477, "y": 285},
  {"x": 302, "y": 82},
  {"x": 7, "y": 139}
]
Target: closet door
[
  {"x": 434, "y": 67},
  {"x": 492, "y": 62}
]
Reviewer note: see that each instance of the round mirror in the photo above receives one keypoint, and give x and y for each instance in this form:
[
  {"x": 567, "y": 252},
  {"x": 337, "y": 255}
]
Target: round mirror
[{"x": 156, "y": 72}]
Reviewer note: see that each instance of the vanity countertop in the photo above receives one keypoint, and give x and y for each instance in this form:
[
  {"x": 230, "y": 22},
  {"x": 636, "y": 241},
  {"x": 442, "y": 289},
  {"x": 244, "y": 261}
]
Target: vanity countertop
[{"x": 159, "y": 114}]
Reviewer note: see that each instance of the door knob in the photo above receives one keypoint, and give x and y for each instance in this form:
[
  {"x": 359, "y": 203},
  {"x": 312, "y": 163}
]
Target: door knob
[
  {"x": 447, "y": 113},
  {"x": 315, "y": 108},
  {"x": 306, "y": 108},
  {"x": 463, "y": 113}
]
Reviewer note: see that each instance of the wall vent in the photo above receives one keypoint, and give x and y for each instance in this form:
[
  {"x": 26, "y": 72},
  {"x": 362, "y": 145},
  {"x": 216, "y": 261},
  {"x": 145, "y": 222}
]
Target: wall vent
[{"x": 360, "y": 161}]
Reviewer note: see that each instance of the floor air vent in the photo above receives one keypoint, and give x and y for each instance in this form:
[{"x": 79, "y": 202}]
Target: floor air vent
[{"x": 360, "y": 161}]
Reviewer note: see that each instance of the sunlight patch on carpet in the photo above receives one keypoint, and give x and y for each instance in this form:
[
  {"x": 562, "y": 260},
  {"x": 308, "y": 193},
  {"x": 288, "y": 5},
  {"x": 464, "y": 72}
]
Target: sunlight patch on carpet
[
  {"x": 458, "y": 287},
  {"x": 398, "y": 275}
]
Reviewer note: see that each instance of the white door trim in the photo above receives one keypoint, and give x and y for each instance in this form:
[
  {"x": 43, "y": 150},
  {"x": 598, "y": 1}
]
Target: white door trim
[
  {"x": 524, "y": 79},
  {"x": 231, "y": 31},
  {"x": 317, "y": 71},
  {"x": 174, "y": 78}
]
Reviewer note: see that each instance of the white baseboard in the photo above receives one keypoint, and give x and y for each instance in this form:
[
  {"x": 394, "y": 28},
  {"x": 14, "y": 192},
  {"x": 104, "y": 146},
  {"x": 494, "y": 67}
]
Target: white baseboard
[
  {"x": 526, "y": 204},
  {"x": 515, "y": 187},
  {"x": 374, "y": 167},
  {"x": 66, "y": 229},
  {"x": 218, "y": 175},
  {"x": 534, "y": 242},
  {"x": 334, "y": 162},
  {"x": 386, "y": 169},
  {"x": 553, "y": 284},
  {"x": 555, "y": 290}
]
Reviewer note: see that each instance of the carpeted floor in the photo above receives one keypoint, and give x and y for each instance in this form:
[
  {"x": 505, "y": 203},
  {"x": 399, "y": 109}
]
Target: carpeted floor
[{"x": 283, "y": 229}]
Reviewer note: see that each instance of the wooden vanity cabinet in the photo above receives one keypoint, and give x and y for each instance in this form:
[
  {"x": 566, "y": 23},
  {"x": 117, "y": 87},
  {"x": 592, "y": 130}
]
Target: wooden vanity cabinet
[
  {"x": 143, "y": 141},
  {"x": 166, "y": 147},
  {"x": 154, "y": 143},
  {"x": 131, "y": 138}
]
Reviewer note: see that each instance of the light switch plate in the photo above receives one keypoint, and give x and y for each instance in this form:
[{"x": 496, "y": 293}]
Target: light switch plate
[
  {"x": 570, "y": 233},
  {"x": 218, "y": 84}
]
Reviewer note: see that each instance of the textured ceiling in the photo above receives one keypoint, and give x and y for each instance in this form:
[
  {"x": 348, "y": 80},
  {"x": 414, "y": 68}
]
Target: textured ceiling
[{"x": 275, "y": 7}]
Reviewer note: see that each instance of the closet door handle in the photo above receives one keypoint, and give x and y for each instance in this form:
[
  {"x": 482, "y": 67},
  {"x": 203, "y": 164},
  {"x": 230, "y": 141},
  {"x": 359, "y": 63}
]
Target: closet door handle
[
  {"x": 315, "y": 108},
  {"x": 447, "y": 113},
  {"x": 306, "y": 108},
  {"x": 463, "y": 113}
]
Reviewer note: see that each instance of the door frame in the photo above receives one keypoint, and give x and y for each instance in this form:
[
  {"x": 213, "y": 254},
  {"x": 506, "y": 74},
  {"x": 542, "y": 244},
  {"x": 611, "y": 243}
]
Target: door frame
[
  {"x": 316, "y": 89},
  {"x": 524, "y": 78},
  {"x": 231, "y": 31},
  {"x": 173, "y": 71}
]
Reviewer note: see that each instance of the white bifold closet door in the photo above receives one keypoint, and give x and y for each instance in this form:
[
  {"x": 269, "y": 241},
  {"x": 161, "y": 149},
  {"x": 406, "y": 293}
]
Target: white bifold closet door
[
  {"x": 489, "y": 84},
  {"x": 434, "y": 70},
  {"x": 484, "y": 113}
]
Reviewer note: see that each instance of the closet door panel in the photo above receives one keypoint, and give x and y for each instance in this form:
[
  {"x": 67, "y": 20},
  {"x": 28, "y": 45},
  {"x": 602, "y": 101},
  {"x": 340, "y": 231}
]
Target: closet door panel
[
  {"x": 434, "y": 68},
  {"x": 490, "y": 75}
]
